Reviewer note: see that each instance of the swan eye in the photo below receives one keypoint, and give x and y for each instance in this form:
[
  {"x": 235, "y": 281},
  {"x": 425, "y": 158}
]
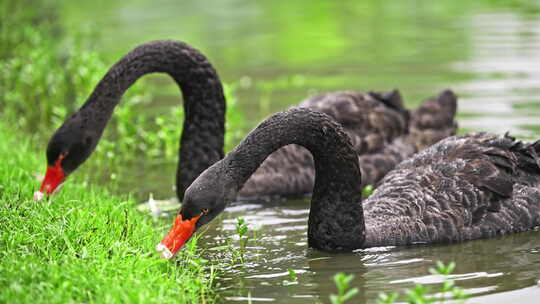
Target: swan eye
[{"x": 205, "y": 211}]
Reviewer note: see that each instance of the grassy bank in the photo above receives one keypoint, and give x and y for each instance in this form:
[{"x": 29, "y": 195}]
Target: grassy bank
[{"x": 85, "y": 245}]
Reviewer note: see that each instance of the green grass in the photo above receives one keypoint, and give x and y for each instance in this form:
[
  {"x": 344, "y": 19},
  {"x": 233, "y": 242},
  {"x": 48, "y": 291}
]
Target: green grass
[{"x": 85, "y": 245}]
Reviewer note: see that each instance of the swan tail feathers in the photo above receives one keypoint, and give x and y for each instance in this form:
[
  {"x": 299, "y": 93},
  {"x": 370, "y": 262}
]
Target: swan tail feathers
[
  {"x": 434, "y": 120},
  {"x": 527, "y": 155},
  {"x": 392, "y": 99},
  {"x": 502, "y": 163}
]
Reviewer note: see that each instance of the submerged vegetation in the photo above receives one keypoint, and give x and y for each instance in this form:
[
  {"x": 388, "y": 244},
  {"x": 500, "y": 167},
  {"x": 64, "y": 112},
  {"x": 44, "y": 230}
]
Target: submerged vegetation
[
  {"x": 344, "y": 291},
  {"x": 421, "y": 294}
]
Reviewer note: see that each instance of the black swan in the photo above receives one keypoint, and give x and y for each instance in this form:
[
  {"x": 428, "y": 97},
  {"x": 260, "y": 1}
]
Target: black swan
[
  {"x": 204, "y": 107},
  {"x": 379, "y": 125},
  {"x": 462, "y": 188},
  {"x": 382, "y": 131}
]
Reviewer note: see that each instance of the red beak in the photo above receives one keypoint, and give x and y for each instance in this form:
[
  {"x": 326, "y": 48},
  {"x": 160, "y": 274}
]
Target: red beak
[
  {"x": 180, "y": 233},
  {"x": 53, "y": 178}
]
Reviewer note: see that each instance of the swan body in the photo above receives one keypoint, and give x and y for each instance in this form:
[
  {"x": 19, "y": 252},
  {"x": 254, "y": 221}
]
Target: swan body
[
  {"x": 462, "y": 188},
  {"x": 382, "y": 131}
]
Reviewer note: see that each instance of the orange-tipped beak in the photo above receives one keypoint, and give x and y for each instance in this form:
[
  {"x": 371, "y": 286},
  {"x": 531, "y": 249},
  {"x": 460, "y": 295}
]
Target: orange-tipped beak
[
  {"x": 53, "y": 178},
  {"x": 177, "y": 237}
]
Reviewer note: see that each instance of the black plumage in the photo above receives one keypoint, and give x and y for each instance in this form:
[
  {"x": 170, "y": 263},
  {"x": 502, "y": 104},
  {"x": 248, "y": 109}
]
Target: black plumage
[
  {"x": 462, "y": 188},
  {"x": 383, "y": 131},
  {"x": 465, "y": 187}
]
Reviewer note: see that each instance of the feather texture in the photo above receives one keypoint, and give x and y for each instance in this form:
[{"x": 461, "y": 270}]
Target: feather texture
[
  {"x": 382, "y": 131},
  {"x": 465, "y": 187}
]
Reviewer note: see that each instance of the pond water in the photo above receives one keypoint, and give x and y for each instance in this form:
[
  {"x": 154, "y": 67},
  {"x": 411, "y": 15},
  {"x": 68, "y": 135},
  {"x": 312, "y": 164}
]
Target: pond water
[{"x": 282, "y": 51}]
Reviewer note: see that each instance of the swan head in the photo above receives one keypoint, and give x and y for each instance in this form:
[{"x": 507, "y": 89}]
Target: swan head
[
  {"x": 68, "y": 148},
  {"x": 204, "y": 199}
]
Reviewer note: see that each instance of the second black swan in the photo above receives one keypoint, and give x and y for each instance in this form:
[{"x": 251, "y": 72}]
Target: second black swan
[
  {"x": 462, "y": 188},
  {"x": 382, "y": 131},
  {"x": 380, "y": 126}
]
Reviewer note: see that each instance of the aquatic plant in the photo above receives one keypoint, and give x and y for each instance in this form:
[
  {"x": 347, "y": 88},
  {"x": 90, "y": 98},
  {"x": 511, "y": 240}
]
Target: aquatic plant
[
  {"x": 292, "y": 275},
  {"x": 419, "y": 294},
  {"x": 423, "y": 294},
  {"x": 367, "y": 191},
  {"x": 242, "y": 229},
  {"x": 345, "y": 293}
]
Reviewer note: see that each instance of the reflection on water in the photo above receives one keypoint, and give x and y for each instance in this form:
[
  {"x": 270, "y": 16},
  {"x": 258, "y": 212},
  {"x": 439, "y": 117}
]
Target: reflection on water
[
  {"x": 504, "y": 94},
  {"x": 484, "y": 267},
  {"x": 286, "y": 50}
]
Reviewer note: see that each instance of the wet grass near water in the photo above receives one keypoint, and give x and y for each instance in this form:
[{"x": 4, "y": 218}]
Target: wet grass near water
[{"x": 85, "y": 245}]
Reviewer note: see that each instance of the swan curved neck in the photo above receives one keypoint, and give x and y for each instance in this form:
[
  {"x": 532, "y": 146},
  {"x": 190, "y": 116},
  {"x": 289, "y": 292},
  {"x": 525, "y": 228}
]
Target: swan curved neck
[
  {"x": 336, "y": 218},
  {"x": 204, "y": 102}
]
